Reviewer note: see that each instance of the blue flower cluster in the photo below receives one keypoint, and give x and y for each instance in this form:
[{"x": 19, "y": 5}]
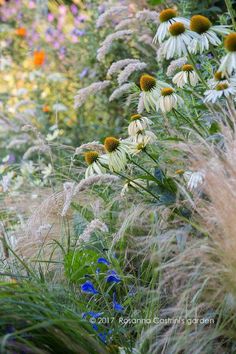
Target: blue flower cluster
[{"x": 89, "y": 288}]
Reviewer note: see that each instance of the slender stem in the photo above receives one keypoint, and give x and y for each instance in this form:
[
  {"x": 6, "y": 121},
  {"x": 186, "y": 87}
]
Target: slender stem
[
  {"x": 144, "y": 170},
  {"x": 231, "y": 12},
  {"x": 187, "y": 120},
  {"x": 151, "y": 157},
  {"x": 191, "y": 59},
  {"x": 215, "y": 54},
  {"x": 131, "y": 180}
]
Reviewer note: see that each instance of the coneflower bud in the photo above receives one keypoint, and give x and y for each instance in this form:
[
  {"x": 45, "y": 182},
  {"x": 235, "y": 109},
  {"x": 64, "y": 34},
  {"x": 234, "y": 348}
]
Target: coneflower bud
[
  {"x": 176, "y": 29},
  {"x": 168, "y": 14},
  {"x": 187, "y": 67},
  {"x": 230, "y": 42},
  {"x": 167, "y": 91},
  {"x": 111, "y": 144},
  {"x": 91, "y": 156},
  {"x": 200, "y": 24},
  {"x": 135, "y": 117},
  {"x": 147, "y": 82}
]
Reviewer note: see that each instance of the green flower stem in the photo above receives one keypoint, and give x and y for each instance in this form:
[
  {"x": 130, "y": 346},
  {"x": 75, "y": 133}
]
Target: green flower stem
[
  {"x": 149, "y": 155},
  {"x": 131, "y": 180},
  {"x": 144, "y": 170},
  {"x": 187, "y": 120},
  {"x": 191, "y": 59},
  {"x": 215, "y": 53},
  {"x": 231, "y": 12}
]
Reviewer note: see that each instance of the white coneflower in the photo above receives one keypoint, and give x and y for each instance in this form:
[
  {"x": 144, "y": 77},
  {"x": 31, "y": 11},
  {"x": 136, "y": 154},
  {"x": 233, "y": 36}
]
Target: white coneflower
[
  {"x": 187, "y": 75},
  {"x": 228, "y": 63},
  {"x": 120, "y": 91},
  {"x": 117, "y": 152},
  {"x": 175, "y": 65},
  {"x": 138, "y": 123},
  {"x": 168, "y": 100},
  {"x": 221, "y": 90},
  {"x": 94, "y": 161},
  {"x": 110, "y": 14},
  {"x": 141, "y": 139},
  {"x": 128, "y": 70},
  {"x": 107, "y": 43},
  {"x": 92, "y": 89},
  {"x": 218, "y": 78},
  {"x": 194, "y": 179},
  {"x": 207, "y": 33},
  {"x": 120, "y": 64},
  {"x": 178, "y": 42},
  {"x": 150, "y": 88},
  {"x": 167, "y": 17}
]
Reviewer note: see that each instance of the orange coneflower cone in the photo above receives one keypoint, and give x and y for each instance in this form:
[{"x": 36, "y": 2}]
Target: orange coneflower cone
[
  {"x": 21, "y": 32},
  {"x": 39, "y": 57}
]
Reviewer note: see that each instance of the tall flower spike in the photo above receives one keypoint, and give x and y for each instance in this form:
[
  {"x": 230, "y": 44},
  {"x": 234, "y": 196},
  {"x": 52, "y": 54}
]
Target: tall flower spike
[
  {"x": 228, "y": 63},
  {"x": 167, "y": 17},
  {"x": 207, "y": 33}
]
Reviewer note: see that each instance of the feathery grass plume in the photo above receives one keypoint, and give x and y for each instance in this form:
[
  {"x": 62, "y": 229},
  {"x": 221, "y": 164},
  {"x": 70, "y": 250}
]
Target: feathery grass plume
[
  {"x": 129, "y": 70},
  {"x": 119, "y": 65},
  {"x": 17, "y": 142},
  {"x": 175, "y": 65},
  {"x": 120, "y": 91},
  {"x": 94, "y": 225},
  {"x": 141, "y": 106},
  {"x": 126, "y": 23},
  {"x": 94, "y": 145},
  {"x": 200, "y": 278},
  {"x": 107, "y": 43},
  {"x": 111, "y": 13},
  {"x": 147, "y": 15},
  {"x": 41, "y": 148},
  {"x": 92, "y": 89},
  {"x": 36, "y": 240}
]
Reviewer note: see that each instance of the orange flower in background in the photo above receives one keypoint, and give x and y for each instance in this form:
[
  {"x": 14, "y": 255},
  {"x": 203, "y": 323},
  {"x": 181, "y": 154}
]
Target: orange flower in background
[
  {"x": 39, "y": 57},
  {"x": 46, "y": 109},
  {"x": 21, "y": 32}
]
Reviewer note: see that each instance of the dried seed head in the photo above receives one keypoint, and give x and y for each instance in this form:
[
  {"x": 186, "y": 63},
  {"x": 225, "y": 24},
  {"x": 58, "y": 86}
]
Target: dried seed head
[
  {"x": 111, "y": 144},
  {"x": 167, "y": 15},
  {"x": 187, "y": 67},
  {"x": 91, "y": 156},
  {"x": 167, "y": 91},
  {"x": 176, "y": 29},
  {"x": 221, "y": 87},
  {"x": 230, "y": 42},
  {"x": 135, "y": 116},
  {"x": 200, "y": 24},
  {"x": 147, "y": 82}
]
